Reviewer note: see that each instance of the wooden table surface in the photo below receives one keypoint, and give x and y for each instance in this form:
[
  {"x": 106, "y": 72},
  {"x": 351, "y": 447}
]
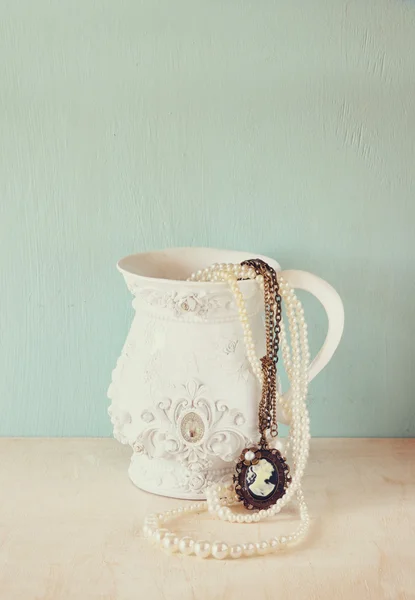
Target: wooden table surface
[{"x": 70, "y": 529}]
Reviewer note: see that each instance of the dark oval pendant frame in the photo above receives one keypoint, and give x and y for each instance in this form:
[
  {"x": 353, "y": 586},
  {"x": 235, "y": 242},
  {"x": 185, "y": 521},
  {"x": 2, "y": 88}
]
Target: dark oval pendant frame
[{"x": 275, "y": 457}]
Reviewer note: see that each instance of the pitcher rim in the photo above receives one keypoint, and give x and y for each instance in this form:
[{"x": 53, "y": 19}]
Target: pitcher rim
[{"x": 243, "y": 255}]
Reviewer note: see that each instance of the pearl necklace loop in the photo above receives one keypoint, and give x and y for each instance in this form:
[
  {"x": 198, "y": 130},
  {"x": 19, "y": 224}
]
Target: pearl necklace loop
[{"x": 220, "y": 498}]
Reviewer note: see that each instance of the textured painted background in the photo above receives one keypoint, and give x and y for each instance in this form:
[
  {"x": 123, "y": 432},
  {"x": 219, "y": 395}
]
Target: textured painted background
[{"x": 281, "y": 127}]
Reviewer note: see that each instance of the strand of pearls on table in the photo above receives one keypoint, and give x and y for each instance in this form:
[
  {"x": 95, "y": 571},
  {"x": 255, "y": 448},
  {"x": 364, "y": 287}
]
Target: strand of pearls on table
[{"x": 220, "y": 498}]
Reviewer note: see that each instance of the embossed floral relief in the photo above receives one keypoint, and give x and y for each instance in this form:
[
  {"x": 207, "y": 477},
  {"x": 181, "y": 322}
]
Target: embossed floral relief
[
  {"x": 231, "y": 355},
  {"x": 119, "y": 418},
  {"x": 185, "y": 303}
]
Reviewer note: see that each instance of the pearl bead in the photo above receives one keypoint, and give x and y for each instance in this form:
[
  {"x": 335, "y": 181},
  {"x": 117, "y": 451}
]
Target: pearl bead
[
  {"x": 220, "y": 550},
  {"x": 222, "y": 513},
  {"x": 249, "y": 549},
  {"x": 202, "y": 549},
  {"x": 262, "y": 548},
  {"x": 249, "y": 455},
  {"x": 170, "y": 542},
  {"x": 273, "y": 544},
  {"x": 148, "y": 531},
  {"x": 159, "y": 534},
  {"x": 186, "y": 545},
  {"x": 236, "y": 551}
]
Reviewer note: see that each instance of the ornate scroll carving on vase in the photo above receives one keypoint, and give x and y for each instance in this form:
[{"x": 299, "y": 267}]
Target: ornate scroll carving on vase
[{"x": 193, "y": 429}]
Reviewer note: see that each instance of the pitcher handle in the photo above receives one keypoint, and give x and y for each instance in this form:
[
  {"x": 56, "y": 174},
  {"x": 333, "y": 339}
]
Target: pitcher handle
[{"x": 333, "y": 306}]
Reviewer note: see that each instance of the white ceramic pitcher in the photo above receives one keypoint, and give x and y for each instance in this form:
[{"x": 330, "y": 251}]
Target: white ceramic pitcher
[{"x": 183, "y": 395}]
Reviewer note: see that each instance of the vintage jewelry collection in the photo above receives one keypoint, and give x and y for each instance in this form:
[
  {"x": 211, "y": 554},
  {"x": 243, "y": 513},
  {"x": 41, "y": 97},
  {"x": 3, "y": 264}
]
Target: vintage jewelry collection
[{"x": 262, "y": 480}]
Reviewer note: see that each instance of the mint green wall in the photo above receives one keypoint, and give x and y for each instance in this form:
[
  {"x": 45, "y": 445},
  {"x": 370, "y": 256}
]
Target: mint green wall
[{"x": 285, "y": 128}]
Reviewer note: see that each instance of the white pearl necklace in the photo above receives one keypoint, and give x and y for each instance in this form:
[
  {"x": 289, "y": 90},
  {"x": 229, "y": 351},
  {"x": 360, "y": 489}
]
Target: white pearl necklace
[{"x": 220, "y": 498}]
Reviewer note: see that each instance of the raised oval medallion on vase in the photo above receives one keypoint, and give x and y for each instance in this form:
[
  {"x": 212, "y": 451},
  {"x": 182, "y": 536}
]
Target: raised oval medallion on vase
[{"x": 192, "y": 428}]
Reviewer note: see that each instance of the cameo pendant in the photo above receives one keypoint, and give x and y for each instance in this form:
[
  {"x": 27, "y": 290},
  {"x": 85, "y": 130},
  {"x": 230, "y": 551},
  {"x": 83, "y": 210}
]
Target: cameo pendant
[{"x": 261, "y": 478}]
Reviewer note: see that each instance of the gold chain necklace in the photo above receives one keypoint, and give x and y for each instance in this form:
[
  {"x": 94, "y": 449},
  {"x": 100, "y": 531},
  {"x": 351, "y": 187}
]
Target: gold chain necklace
[{"x": 262, "y": 474}]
